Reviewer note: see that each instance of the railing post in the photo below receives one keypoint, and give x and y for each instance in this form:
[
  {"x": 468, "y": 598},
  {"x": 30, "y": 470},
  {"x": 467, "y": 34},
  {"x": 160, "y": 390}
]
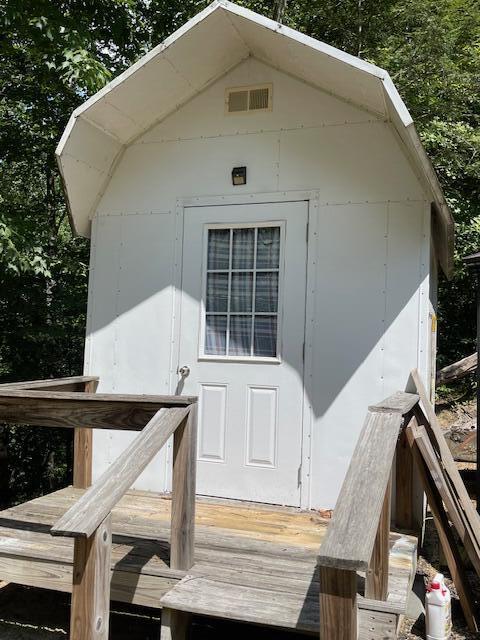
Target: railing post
[
  {"x": 338, "y": 604},
  {"x": 82, "y": 449},
  {"x": 174, "y": 624},
  {"x": 89, "y": 617},
  {"x": 403, "y": 484},
  {"x": 376, "y": 583},
  {"x": 182, "y": 541},
  {"x": 182, "y": 538}
]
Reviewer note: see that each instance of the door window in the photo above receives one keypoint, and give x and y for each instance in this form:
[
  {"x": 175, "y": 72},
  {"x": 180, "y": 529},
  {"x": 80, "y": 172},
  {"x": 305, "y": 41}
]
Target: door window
[{"x": 242, "y": 291}]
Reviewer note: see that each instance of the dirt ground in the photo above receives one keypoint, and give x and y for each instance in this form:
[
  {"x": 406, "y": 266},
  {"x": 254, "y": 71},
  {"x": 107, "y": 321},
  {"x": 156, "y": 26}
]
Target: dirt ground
[
  {"x": 430, "y": 562},
  {"x": 37, "y": 614}
]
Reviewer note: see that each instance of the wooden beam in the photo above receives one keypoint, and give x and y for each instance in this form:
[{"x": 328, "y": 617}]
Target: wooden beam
[
  {"x": 429, "y": 419},
  {"x": 445, "y": 534},
  {"x": 449, "y": 499},
  {"x": 338, "y": 604},
  {"x": 457, "y": 370},
  {"x": 182, "y": 544},
  {"x": 74, "y": 383},
  {"x": 91, "y": 410},
  {"x": 352, "y": 532},
  {"x": 85, "y": 515},
  {"x": 83, "y": 449},
  {"x": 376, "y": 583},
  {"x": 89, "y": 616}
]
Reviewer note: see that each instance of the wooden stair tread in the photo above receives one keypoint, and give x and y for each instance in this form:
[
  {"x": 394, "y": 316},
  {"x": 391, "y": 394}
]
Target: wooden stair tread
[{"x": 267, "y": 607}]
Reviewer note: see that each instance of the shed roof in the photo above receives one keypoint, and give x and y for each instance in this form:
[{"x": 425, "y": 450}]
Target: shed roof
[{"x": 197, "y": 54}]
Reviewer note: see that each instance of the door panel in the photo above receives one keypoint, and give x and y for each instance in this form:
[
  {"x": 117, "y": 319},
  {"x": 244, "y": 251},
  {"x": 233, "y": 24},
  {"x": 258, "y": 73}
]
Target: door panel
[{"x": 242, "y": 334}]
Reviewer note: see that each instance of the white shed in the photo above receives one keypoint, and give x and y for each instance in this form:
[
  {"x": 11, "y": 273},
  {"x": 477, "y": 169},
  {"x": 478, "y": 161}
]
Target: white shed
[{"x": 265, "y": 232}]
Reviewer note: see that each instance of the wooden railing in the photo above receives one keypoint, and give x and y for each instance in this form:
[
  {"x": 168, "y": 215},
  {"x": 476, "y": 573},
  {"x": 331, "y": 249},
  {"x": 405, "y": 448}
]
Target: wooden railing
[
  {"x": 82, "y": 448},
  {"x": 357, "y": 538},
  {"x": 52, "y": 403}
]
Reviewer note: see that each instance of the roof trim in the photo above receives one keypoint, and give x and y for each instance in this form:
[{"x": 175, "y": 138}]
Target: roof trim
[{"x": 362, "y": 83}]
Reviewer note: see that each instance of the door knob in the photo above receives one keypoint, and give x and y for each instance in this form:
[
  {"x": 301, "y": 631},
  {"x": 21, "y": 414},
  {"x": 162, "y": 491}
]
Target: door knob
[{"x": 184, "y": 371}]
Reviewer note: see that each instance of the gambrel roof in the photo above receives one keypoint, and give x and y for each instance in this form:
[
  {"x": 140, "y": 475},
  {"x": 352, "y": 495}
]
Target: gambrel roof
[{"x": 197, "y": 54}]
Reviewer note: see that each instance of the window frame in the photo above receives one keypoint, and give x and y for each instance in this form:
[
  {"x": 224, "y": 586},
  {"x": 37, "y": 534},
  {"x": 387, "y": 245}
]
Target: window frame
[{"x": 281, "y": 224}]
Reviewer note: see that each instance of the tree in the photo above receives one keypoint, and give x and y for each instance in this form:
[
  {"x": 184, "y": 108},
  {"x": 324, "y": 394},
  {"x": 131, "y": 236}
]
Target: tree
[{"x": 56, "y": 54}]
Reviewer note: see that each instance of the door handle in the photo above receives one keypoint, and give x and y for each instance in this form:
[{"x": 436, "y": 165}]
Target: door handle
[{"x": 184, "y": 371}]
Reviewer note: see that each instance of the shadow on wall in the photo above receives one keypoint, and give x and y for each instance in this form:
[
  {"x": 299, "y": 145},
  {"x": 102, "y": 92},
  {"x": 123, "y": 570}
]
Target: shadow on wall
[{"x": 368, "y": 270}]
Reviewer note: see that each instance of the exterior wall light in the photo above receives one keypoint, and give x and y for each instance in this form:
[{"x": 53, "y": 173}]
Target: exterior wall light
[{"x": 239, "y": 176}]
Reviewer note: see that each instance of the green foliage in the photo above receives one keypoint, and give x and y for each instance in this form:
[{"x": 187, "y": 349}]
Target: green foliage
[{"x": 56, "y": 54}]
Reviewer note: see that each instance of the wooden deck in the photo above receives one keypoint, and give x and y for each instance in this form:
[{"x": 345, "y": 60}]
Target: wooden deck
[{"x": 253, "y": 563}]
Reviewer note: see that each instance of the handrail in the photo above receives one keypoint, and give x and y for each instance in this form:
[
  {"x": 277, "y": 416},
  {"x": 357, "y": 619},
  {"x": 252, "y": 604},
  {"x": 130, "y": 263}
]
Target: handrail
[
  {"x": 117, "y": 398},
  {"x": 89, "y": 521},
  {"x": 92, "y": 410},
  {"x": 86, "y": 515},
  {"x": 53, "y": 384},
  {"x": 351, "y": 534},
  {"x": 357, "y": 538}
]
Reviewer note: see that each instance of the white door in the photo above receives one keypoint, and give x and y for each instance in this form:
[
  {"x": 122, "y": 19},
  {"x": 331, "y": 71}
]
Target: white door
[{"x": 241, "y": 346}]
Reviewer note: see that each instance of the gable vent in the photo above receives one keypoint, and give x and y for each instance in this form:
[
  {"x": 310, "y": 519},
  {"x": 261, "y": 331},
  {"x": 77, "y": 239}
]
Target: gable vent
[{"x": 253, "y": 98}]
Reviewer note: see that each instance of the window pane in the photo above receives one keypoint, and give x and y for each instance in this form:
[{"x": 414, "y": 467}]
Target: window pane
[
  {"x": 243, "y": 247},
  {"x": 240, "y": 335},
  {"x": 217, "y": 292},
  {"x": 216, "y": 335},
  {"x": 268, "y": 248},
  {"x": 241, "y": 292},
  {"x": 218, "y": 248},
  {"x": 265, "y": 338},
  {"x": 266, "y": 292}
]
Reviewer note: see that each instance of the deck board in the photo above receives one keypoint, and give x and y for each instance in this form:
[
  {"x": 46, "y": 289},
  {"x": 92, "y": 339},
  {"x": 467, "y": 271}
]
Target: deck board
[
  {"x": 257, "y": 605},
  {"x": 266, "y": 551}
]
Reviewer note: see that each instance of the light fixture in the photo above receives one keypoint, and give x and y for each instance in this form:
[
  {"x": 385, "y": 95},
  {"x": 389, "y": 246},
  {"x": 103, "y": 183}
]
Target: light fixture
[{"x": 239, "y": 176}]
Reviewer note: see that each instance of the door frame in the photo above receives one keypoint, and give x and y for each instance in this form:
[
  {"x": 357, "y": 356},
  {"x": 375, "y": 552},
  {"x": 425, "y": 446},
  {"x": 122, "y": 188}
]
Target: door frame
[{"x": 312, "y": 199}]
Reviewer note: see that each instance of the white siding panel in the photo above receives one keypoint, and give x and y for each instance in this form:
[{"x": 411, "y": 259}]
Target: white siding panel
[
  {"x": 404, "y": 251},
  {"x": 103, "y": 291},
  {"x": 144, "y": 303},
  {"x": 133, "y": 349},
  {"x": 349, "y": 324},
  {"x": 366, "y": 325},
  {"x": 155, "y": 175},
  {"x": 295, "y": 105},
  {"x": 351, "y": 163},
  {"x": 102, "y": 314}
]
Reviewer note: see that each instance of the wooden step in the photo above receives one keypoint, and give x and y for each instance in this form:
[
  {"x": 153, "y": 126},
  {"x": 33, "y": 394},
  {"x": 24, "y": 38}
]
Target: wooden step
[
  {"x": 289, "y": 600},
  {"x": 266, "y": 607},
  {"x": 35, "y": 559}
]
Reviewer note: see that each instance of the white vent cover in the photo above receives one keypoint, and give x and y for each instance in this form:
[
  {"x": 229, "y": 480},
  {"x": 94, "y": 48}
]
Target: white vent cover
[{"x": 252, "y": 98}]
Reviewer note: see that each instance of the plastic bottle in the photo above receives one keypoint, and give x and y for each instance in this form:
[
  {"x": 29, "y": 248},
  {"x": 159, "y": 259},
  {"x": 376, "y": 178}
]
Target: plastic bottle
[{"x": 438, "y": 609}]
